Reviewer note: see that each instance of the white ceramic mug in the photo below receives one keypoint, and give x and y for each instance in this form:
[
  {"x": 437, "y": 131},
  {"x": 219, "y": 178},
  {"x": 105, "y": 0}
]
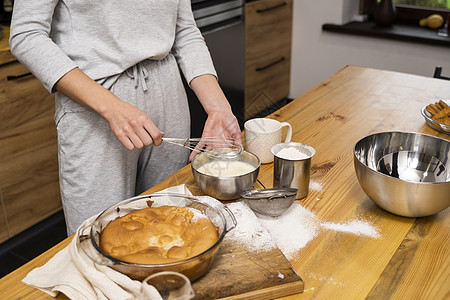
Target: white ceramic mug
[{"x": 261, "y": 134}]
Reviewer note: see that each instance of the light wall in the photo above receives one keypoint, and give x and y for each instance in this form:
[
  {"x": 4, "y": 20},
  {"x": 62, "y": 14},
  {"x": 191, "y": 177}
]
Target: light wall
[{"x": 316, "y": 54}]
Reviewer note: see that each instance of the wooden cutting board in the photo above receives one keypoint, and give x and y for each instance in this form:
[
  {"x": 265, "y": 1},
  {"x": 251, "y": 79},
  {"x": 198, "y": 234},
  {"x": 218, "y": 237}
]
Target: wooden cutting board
[{"x": 237, "y": 273}]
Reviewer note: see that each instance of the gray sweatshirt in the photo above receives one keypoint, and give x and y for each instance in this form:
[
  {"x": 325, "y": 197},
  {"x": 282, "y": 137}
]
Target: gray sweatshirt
[{"x": 105, "y": 38}]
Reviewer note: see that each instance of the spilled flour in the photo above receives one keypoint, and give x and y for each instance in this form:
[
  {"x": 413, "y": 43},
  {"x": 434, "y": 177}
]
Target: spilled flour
[
  {"x": 357, "y": 227},
  {"x": 249, "y": 232},
  {"x": 289, "y": 232},
  {"x": 315, "y": 186},
  {"x": 292, "y": 230}
]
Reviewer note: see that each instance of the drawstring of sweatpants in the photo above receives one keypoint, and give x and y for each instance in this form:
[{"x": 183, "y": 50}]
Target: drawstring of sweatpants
[{"x": 139, "y": 73}]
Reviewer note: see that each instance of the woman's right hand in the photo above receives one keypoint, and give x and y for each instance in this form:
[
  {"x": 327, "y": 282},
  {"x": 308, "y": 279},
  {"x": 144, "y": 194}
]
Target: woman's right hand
[{"x": 132, "y": 127}]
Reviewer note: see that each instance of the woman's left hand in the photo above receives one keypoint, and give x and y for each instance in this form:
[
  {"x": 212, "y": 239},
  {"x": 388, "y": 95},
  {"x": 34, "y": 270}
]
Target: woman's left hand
[{"x": 220, "y": 125}]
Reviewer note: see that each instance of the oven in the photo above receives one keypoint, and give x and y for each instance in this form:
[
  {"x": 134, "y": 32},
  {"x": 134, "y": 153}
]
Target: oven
[
  {"x": 214, "y": 15},
  {"x": 222, "y": 25}
]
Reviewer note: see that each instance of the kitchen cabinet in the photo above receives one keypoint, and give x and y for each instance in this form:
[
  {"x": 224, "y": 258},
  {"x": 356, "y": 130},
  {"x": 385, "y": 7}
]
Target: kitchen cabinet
[
  {"x": 29, "y": 186},
  {"x": 268, "y": 36}
]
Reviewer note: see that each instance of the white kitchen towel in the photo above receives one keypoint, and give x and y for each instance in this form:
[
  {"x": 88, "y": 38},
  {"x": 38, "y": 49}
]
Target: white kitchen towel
[{"x": 74, "y": 274}]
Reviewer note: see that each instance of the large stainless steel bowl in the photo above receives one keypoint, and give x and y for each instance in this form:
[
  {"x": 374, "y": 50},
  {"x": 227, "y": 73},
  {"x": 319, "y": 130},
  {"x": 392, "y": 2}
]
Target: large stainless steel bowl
[
  {"x": 193, "y": 267},
  {"x": 225, "y": 187},
  {"x": 407, "y": 174}
]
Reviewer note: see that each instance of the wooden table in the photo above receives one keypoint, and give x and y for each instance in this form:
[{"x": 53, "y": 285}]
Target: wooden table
[
  {"x": 411, "y": 259},
  {"x": 5, "y": 53}
]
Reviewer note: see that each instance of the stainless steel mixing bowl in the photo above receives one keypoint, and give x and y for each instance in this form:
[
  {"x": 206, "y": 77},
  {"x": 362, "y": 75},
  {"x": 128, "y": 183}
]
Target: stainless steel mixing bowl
[
  {"x": 225, "y": 187},
  {"x": 407, "y": 174}
]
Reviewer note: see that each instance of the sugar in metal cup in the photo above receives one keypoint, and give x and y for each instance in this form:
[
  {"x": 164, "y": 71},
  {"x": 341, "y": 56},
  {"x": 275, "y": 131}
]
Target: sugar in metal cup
[{"x": 292, "y": 166}]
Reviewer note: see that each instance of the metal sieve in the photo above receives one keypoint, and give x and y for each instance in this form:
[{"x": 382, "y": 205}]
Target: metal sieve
[{"x": 270, "y": 202}]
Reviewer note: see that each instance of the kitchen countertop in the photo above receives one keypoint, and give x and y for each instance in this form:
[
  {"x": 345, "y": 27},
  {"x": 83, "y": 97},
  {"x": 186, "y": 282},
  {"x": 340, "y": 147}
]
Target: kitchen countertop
[{"x": 411, "y": 256}]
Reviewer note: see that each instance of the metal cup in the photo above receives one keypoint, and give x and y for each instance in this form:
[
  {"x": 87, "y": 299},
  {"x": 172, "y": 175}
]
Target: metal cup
[{"x": 293, "y": 172}]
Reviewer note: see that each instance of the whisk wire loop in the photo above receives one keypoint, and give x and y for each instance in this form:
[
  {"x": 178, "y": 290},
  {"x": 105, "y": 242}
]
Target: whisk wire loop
[{"x": 207, "y": 144}]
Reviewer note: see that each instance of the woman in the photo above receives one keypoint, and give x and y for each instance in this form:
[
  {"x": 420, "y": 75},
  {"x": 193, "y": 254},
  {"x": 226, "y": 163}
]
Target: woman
[{"x": 114, "y": 66}]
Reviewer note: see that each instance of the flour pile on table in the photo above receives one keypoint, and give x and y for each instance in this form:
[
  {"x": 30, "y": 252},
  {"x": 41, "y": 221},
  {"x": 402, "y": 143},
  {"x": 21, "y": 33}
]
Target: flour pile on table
[
  {"x": 289, "y": 232},
  {"x": 249, "y": 232},
  {"x": 315, "y": 186},
  {"x": 355, "y": 226},
  {"x": 292, "y": 230}
]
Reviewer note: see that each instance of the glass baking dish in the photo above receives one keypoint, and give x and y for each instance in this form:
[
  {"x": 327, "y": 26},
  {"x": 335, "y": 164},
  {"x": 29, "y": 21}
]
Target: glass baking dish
[{"x": 193, "y": 267}]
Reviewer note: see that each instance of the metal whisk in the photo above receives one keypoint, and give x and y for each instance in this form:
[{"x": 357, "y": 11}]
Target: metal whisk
[{"x": 217, "y": 147}]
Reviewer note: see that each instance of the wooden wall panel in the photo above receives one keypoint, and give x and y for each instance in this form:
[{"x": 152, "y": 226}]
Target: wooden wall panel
[
  {"x": 4, "y": 231},
  {"x": 268, "y": 38},
  {"x": 265, "y": 87},
  {"x": 268, "y": 25},
  {"x": 28, "y": 150}
]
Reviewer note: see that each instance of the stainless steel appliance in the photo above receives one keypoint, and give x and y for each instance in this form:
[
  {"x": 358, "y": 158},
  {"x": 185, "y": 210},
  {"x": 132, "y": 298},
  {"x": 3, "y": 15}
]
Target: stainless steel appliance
[
  {"x": 213, "y": 15},
  {"x": 222, "y": 25}
]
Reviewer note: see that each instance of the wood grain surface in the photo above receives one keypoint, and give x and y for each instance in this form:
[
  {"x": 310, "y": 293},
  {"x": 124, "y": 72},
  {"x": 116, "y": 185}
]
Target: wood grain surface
[
  {"x": 242, "y": 274},
  {"x": 5, "y": 53},
  {"x": 268, "y": 38},
  {"x": 411, "y": 257},
  {"x": 29, "y": 183}
]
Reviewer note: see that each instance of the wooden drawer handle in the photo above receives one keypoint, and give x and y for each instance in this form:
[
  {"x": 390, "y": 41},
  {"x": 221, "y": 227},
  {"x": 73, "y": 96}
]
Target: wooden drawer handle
[
  {"x": 259, "y": 11},
  {"x": 14, "y": 77},
  {"x": 271, "y": 64}
]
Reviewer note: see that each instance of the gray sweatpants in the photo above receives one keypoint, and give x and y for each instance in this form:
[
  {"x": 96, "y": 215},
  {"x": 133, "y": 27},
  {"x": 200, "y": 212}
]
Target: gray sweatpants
[{"x": 96, "y": 170}]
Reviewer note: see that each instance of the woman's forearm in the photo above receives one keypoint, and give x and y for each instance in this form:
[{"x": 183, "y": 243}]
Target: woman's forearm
[
  {"x": 221, "y": 121},
  {"x": 79, "y": 87},
  {"x": 210, "y": 94},
  {"x": 132, "y": 127}
]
